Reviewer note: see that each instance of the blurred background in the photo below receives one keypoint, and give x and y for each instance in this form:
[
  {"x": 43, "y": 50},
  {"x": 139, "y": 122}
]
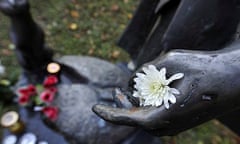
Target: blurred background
[{"x": 90, "y": 27}]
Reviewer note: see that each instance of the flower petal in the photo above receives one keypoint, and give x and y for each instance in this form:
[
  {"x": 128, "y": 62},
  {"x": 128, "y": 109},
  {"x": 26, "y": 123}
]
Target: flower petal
[
  {"x": 140, "y": 75},
  {"x": 51, "y": 112},
  {"x": 175, "y": 77},
  {"x": 166, "y": 104},
  {"x": 172, "y": 99},
  {"x": 50, "y": 81},
  {"x": 174, "y": 91},
  {"x": 141, "y": 102},
  {"x": 146, "y": 70},
  {"x": 162, "y": 73},
  {"x": 136, "y": 94},
  {"x": 159, "y": 102},
  {"x": 152, "y": 68},
  {"x": 165, "y": 101},
  {"x": 149, "y": 101}
]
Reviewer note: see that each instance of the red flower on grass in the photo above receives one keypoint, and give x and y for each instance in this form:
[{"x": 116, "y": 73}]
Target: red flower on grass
[
  {"x": 50, "y": 81},
  {"x": 47, "y": 96},
  {"x": 23, "y": 99},
  {"x": 29, "y": 90},
  {"x": 51, "y": 112}
]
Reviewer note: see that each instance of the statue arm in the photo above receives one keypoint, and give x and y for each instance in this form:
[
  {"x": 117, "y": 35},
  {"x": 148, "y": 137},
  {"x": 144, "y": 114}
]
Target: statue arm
[
  {"x": 210, "y": 88},
  {"x": 139, "y": 27},
  {"x": 195, "y": 25}
]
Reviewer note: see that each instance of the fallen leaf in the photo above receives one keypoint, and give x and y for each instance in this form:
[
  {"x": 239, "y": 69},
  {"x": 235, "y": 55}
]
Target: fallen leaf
[
  {"x": 5, "y": 82},
  {"x": 74, "y": 14},
  {"x": 122, "y": 26},
  {"x": 104, "y": 37},
  {"x": 74, "y": 1},
  {"x": 129, "y": 15},
  {"x": 11, "y": 46},
  {"x": 7, "y": 52},
  {"x": 115, "y": 54},
  {"x": 77, "y": 36},
  {"x": 216, "y": 139},
  {"x": 73, "y": 26},
  {"x": 96, "y": 14},
  {"x": 89, "y": 32},
  {"x": 77, "y": 6},
  {"x": 91, "y": 51},
  {"x": 114, "y": 7}
]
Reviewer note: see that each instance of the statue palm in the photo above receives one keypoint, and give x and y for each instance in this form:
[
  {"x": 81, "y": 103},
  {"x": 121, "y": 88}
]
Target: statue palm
[{"x": 209, "y": 89}]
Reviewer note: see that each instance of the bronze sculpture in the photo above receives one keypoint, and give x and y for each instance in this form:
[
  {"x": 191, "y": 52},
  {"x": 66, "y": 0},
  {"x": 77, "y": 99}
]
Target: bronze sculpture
[
  {"x": 187, "y": 24},
  {"x": 32, "y": 53},
  {"x": 159, "y": 26},
  {"x": 210, "y": 88},
  {"x": 28, "y": 38},
  {"x": 81, "y": 84}
]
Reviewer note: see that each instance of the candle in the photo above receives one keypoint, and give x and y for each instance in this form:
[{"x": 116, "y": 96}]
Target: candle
[
  {"x": 11, "y": 120},
  {"x": 53, "y": 68}
]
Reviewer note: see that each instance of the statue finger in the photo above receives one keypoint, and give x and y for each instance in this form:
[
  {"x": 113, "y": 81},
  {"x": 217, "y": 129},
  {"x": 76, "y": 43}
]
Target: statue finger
[
  {"x": 121, "y": 99},
  {"x": 132, "y": 117},
  {"x": 124, "y": 99}
]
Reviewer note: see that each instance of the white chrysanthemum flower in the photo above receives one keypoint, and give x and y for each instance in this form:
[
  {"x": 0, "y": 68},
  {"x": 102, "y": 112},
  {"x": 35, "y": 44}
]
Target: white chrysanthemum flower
[{"x": 152, "y": 87}]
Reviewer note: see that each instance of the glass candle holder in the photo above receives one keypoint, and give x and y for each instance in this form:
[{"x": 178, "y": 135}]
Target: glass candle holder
[
  {"x": 11, "y": 120},
  {"x": 53, "y": 68}
]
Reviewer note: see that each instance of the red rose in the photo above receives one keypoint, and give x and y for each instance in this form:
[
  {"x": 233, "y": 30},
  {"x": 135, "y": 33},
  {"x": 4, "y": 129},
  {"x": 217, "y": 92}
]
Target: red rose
[
  {"x": 52, "y": 89},
  {"x": 47, "y": 96},
  {"x": 51, "y": 112},
  {"x": 50, "y": 81},
  {"x": 23, "y": 99},
  {"x": 32, "y": 89},
  {"x": 29, "y": 90}
]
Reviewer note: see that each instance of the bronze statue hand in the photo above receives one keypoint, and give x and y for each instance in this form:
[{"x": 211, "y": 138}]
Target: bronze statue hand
[
  {"x": 210, "y": 88},
  {"x": 13, "y": 7}
]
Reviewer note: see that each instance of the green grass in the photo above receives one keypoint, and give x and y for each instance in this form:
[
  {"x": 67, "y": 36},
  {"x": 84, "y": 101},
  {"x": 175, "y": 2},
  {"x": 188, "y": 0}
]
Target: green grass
[{"x": 99, "y": 25}]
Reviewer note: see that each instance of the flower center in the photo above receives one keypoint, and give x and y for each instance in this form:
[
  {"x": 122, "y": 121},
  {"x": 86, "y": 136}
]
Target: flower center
[{"x": 156, "y": 87}]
